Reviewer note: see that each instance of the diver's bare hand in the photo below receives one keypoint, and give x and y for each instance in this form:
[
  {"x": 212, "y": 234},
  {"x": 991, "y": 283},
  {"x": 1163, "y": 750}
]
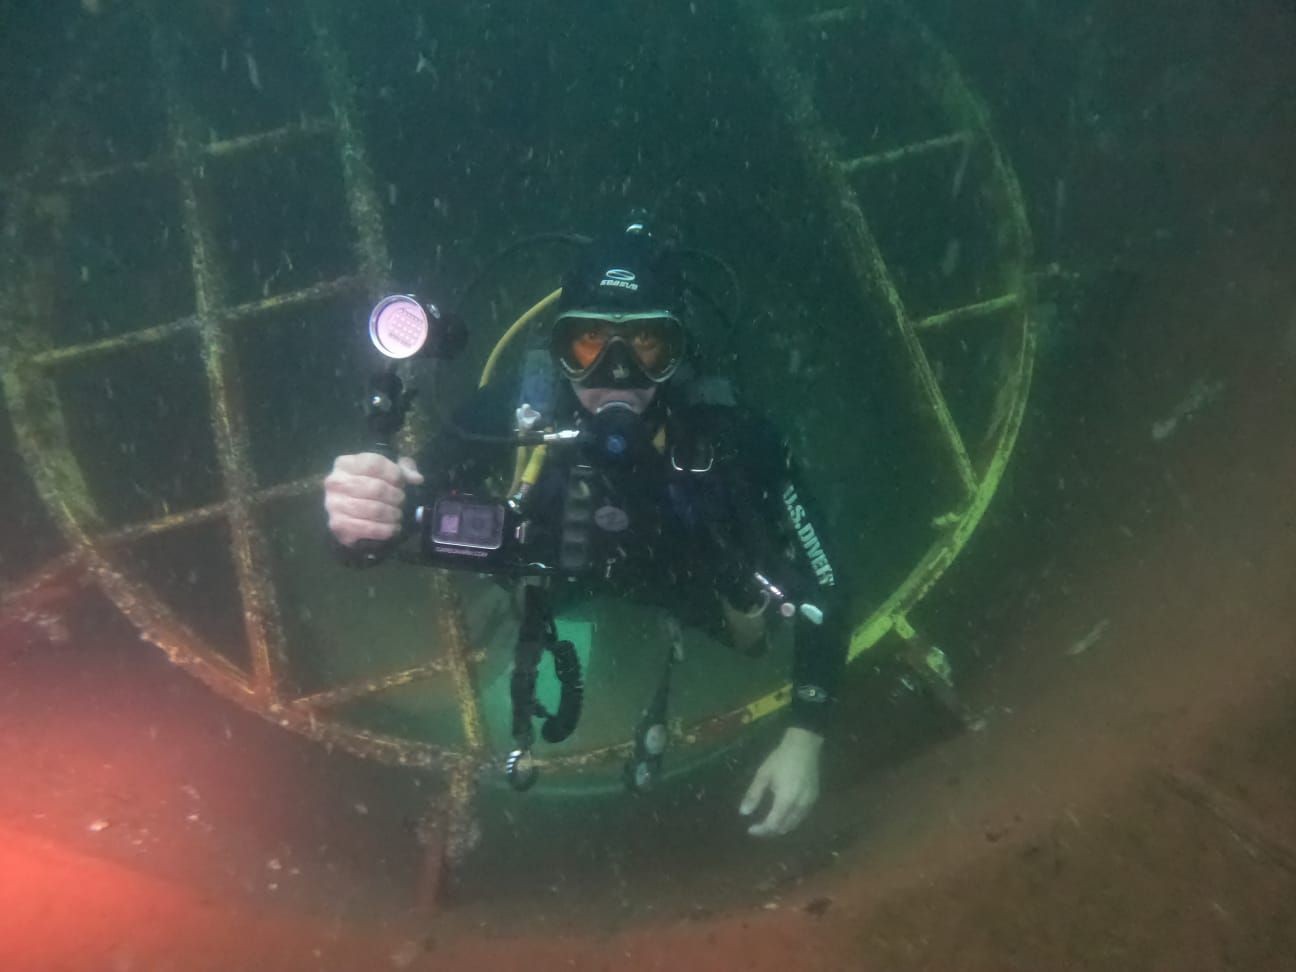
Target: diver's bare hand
[
  {"x": 790, "y": 776},
  {"x": 363, "y": 496}
]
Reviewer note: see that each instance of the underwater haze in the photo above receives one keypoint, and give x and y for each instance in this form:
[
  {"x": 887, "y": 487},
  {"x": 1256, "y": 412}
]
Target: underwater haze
[{"x": 1011, "y": 281}]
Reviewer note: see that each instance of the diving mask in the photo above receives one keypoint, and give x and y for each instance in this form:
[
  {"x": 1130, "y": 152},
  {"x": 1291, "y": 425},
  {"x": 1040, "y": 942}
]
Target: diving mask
[{"x": 614, "y": 349}]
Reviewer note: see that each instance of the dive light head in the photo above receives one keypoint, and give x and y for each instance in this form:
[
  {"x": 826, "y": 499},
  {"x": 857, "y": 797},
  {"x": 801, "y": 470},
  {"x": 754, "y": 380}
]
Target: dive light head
[{"x": 400, "y": 327}]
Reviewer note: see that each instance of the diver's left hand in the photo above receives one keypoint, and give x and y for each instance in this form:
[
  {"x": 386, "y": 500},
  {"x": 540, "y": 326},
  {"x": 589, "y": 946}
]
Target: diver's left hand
[{"x": 791, "y": 774}]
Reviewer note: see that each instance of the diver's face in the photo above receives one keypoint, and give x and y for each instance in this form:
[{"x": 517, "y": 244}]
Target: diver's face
[{"x": 594, "y": 400}]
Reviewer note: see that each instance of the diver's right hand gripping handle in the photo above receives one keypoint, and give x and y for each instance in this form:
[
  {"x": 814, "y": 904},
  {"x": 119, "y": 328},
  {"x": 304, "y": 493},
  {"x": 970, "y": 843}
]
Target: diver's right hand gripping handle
[{"x": 386, "y": 405}]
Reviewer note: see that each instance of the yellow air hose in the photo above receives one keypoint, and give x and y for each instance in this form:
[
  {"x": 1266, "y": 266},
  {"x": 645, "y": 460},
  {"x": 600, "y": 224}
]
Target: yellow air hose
[
  {"x": 529, "y": 461},
  {"x": 493, "y": 359}
]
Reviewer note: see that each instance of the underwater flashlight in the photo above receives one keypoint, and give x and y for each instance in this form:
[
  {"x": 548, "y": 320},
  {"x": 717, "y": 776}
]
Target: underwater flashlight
[{"x": 400, "y": 327}]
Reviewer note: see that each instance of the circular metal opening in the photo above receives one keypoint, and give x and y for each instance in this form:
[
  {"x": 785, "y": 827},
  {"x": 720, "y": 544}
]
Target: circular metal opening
[{"x": 957, "y": 315}]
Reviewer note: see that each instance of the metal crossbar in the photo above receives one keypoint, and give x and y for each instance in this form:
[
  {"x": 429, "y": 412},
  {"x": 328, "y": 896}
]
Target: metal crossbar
[
  {"x": 864, "y": 258},
  {"x": 164, "y": 163},
  {"x": 985, "y": 308},
  {"x": 906, "y": 152},
  {"x": 316, "y": 293},
  {"x": 204, "y": 514},
  {"x": 835, "y": 16},
  {"x": 360, "y": 688},
  {"x": 979, "y": 480},
  {"x": 31, "y": 392},
  {"x": 262, "y": 620}
]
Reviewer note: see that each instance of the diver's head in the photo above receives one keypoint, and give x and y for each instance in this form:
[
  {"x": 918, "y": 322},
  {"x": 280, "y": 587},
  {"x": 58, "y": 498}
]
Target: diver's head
[{"x": 619, "y": 334}]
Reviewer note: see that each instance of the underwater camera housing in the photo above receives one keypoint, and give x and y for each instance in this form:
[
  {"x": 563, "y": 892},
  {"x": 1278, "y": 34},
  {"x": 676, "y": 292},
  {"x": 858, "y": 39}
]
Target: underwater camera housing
[
  {"x": 476, "y": 529},
  {"x": 478, "y": 534},
  {"x": 491, "y": 536}
]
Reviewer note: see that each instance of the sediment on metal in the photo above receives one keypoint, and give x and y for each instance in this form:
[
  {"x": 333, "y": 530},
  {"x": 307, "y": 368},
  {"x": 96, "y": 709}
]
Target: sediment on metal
[
  {"x": 360, "y": 688},
  {"x": 271, "y": 139},
  {"x": 967, "y": 312},
  {"x": 905, "y": 152},
  {"x": 863, "y": 256},
  {"x": 203, "y": 514},
  {"x": 357, "y": 175},
  {"x": 194, "y": 322},
  {"x": 164, "y": 163},
  {"x": 262, "y": 623},
  {"x": 835, "y": 16}
]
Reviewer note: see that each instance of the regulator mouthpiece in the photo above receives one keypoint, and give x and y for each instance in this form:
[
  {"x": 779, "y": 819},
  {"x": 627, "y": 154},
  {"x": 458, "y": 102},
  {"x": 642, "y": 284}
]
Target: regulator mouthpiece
[{"x": 400, "y": 327}]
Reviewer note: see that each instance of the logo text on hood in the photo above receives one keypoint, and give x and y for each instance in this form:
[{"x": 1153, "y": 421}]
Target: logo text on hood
[
  {"x": 810, "y": 543},
  {"x": 621, "y": 279}
]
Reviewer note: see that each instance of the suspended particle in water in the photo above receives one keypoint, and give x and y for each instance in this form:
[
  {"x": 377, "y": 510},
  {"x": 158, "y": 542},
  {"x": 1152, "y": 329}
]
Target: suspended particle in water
[
  {"x": 957, "y": 186},
  {"x": 950, "y": 261},
  {"x": 254, "y": 73}
]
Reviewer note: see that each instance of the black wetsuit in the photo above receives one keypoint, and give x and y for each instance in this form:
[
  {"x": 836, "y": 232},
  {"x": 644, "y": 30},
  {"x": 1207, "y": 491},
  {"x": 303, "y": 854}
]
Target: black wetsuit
[{"x": 688, "y": 516}]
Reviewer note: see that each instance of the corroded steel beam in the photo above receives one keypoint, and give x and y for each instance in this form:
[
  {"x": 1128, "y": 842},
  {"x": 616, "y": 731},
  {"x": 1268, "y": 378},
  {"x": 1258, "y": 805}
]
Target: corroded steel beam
[
  {"x": 455, "y": 819},
  {"x": 381, "y": 683},
  {"x": 35, "y": 409},
  {"x": 905, "y": 152},
  {"x": 43, "y": 584},
  {"x": 324, "y": 290},
  {"x": 160, "y": 625},
  {"x": 122, "y": 342},
  {"x": 357, "y": 175},
  {"x": 205, "y": 514},
  {"x": 221, "y": 315},
  {"x": 267, "y": 140},
  {"x": 460, "y": 824},
  {"x": 452, "y": 635},
  {"x": 221, "y": 148},
  {"x": 866, "y": 262},
  {"x": 262, "y": 622},
  {"x": 969, "y": 312},
  {"x": 863, "y": 258},
  {"x": 85, "y": 178},
  {"x": 835, "y": 16}
]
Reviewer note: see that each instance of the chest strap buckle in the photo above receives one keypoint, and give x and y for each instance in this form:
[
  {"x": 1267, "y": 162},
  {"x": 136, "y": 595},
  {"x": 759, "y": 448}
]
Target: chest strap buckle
[{"x": 700, "y": 459}]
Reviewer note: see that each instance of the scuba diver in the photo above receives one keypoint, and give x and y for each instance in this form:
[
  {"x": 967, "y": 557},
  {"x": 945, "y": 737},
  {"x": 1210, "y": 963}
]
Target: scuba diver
[{"x": 640, "y": 476}]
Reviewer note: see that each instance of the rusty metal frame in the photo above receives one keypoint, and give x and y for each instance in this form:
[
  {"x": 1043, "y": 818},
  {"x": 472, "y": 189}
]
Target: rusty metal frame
[
  {"x": 981, "y": 473},
  {"x": 29, "y": 365},
  {"x": 42, "y": 437}
]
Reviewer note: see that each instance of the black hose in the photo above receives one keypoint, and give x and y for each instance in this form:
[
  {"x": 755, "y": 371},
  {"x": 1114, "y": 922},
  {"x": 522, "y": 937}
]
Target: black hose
[
  {"x": 567, "y": 668},
  {"x": 522, "y": 686},
  {"x": 571, "y": 239},
  {"x": 712, "y": 303},
  {"x": 734, "y": 285}
]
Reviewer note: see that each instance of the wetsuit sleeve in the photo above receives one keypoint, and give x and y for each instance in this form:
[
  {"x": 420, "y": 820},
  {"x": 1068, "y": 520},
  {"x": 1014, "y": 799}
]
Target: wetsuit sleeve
[{"x": 786, "y": 538}]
